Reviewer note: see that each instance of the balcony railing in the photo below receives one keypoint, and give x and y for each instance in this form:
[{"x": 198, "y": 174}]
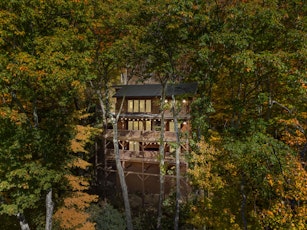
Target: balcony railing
[
  {"x": 143, "y": 136},
  {"x": 145, "y": 156}
]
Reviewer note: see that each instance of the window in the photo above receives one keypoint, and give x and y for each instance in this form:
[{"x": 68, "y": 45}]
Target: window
[
  {"x": 130, "y": 106},
  {"x": 171, "y": 126},
  {"x": 134, "y": 146},
  {"x": 142, "y": 106},
  {"x": 130, "y": 125},
  {"x": 148, "y": 125},
  {"x": 148, "y": 106},
  {"x": 135, "y": 125},
  {"x": 136, "y": 106}
]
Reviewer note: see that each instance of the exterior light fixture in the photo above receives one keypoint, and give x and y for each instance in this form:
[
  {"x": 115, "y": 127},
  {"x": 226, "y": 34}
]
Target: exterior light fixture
[{"x": 184, "y": 101}]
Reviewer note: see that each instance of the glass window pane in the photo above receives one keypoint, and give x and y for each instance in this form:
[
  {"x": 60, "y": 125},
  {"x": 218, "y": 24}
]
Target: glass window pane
[
  {"x": 148, "y": 125},
  {"x": 135, "y": 125},
  {"x": 148, "y": 106},
  {"x": 171, "y": 126},
  {"x": 141, "y": 126},
  {"x": 130, "y": 125},
  {"x": 142, "y": 105},
  {"x": 135, "y": 106},
  {"x": 136, "y": 146},
  {"x": 131, "y": 145},
  {"x": 130, "y": 106}
]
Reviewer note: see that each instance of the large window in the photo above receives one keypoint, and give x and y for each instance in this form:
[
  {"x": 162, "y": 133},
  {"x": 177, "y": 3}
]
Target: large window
[
  {"x": 135, "y": 125},
  {"x": 139, "y": 125},
  {"x": 134, "y": 146},
  {"x": 139, "y": 106},
  {"x": 171, "y": 126}
]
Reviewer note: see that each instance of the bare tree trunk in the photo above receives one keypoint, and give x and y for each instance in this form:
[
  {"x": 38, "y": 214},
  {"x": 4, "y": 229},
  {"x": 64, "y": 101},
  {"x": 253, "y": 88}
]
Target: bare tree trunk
[
  {"x": 49, "y": 210},
  {"x": 161, "y": 159},
  {"x": 105, "y": 109},
  {"x": 104, "y": 112},
  {"x": 243, "y": 204},
  {"x": 121, "y": 176},
  {"x": 22, "y": 221},
  {"x": 178, "y": 194},
  {"x": 119, "y": 167}
]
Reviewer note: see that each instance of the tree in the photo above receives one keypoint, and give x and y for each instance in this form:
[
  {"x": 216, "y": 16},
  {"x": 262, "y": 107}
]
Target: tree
[
  {"x": 260, "y": 76},
  {"x": 164, "y": 42},
  {"x": 44, "y": 60},
  {"x": 73, "y": 212},
  {"x": 120, "y": 171},
  {"x": 238, "y": 49}
]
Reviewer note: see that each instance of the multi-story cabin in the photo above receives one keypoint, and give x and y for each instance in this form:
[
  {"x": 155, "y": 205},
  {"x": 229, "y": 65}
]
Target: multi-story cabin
[{"x": 139, "y": 129}]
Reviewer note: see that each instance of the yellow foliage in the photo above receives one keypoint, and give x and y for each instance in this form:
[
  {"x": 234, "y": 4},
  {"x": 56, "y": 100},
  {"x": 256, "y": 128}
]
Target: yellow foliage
[
  {"x": 79, "y": 163},
  {"x": 294, "y": 135},
  {"x": 12, "y": 114},
  {"x": 289, "y": 209},
  {"x": 82, "y": 136},
  {"x": 71, "y": 218},
  {"x": 203, "y": 172},
  {"x": 77, "y": 183},
  {"x": 80, "y": 200},
  {"x": 73, "y": 215}
]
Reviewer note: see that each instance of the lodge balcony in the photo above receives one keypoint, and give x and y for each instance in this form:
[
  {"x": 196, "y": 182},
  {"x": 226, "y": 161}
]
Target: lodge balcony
[
  {"x": 143, "y": 156},
  {"x": 143, "y": 136}
]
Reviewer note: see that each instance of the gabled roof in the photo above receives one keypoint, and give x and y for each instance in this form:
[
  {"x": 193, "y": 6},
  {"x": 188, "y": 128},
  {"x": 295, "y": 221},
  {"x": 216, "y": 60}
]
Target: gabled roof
[{"x": 155, "y": 90}]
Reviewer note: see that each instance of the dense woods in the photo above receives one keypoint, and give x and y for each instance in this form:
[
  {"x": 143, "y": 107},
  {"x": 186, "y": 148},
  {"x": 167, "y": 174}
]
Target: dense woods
[{"x": 59, "y": 60}]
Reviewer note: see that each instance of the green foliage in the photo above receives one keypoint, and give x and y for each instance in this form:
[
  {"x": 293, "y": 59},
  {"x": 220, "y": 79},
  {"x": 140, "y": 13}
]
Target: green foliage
[
  {"x": 44, "y": 63},
  {"x": 107, "y": 217},
  {"x": 248, "y": 57}
]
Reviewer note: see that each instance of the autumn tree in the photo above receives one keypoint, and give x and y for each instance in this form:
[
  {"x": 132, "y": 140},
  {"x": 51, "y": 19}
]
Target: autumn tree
[
  {"x": 43, "y": 63},
  {"x": 73, "y": 212},
  {"x": 252, "y": 96}
]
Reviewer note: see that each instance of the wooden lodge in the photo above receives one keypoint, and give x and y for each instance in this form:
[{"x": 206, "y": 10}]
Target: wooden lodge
[{"x": 139, "y": 128}]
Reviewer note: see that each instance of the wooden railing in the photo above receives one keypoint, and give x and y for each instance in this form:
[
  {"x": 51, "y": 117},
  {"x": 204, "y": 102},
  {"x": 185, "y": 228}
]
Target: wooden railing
[
  {"x": 147, "y": 156},
  {"x": 142, "y": 136}
]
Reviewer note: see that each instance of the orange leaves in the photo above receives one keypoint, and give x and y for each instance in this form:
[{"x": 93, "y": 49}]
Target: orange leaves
[
  {"x": 289, "y": 209},
  {"x": 73, "y": 219},
  {"x": 79, "y": 163},
  {"x": 12, "y": 114},
  {"x": 293, "y": 133},
  {"x": 83, "y": 135},
  {"x": 72, "y": 214},
  {"x": 77, "y": 183}
]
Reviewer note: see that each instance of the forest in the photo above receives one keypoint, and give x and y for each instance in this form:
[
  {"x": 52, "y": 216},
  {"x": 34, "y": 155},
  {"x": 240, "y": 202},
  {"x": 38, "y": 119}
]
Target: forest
[{"x": 58, "y": 62}]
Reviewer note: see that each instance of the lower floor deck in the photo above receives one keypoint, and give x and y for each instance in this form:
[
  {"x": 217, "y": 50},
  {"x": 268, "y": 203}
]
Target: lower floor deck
[{"x": 142, "y": 174}]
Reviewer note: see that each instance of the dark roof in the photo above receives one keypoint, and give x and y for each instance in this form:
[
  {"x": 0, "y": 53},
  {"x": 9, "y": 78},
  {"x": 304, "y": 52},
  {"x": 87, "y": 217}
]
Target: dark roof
[{"x": 154, "y": 90}]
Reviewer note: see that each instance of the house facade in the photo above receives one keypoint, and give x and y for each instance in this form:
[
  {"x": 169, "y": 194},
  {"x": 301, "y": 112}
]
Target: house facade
[{"x": 139, "y": 129}]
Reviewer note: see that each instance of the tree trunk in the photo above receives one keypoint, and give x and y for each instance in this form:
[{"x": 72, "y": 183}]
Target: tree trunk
[
  {"x": 22, "y": 221},
  {"x": 243, "y": 204},
  {"x": 49, "y": 210},
  {"x": 104, "y": 113},
  {"x": 121, "y": 176},
  {"x": 178, "y": 195},
  {"x": 161, "y": 160}
]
